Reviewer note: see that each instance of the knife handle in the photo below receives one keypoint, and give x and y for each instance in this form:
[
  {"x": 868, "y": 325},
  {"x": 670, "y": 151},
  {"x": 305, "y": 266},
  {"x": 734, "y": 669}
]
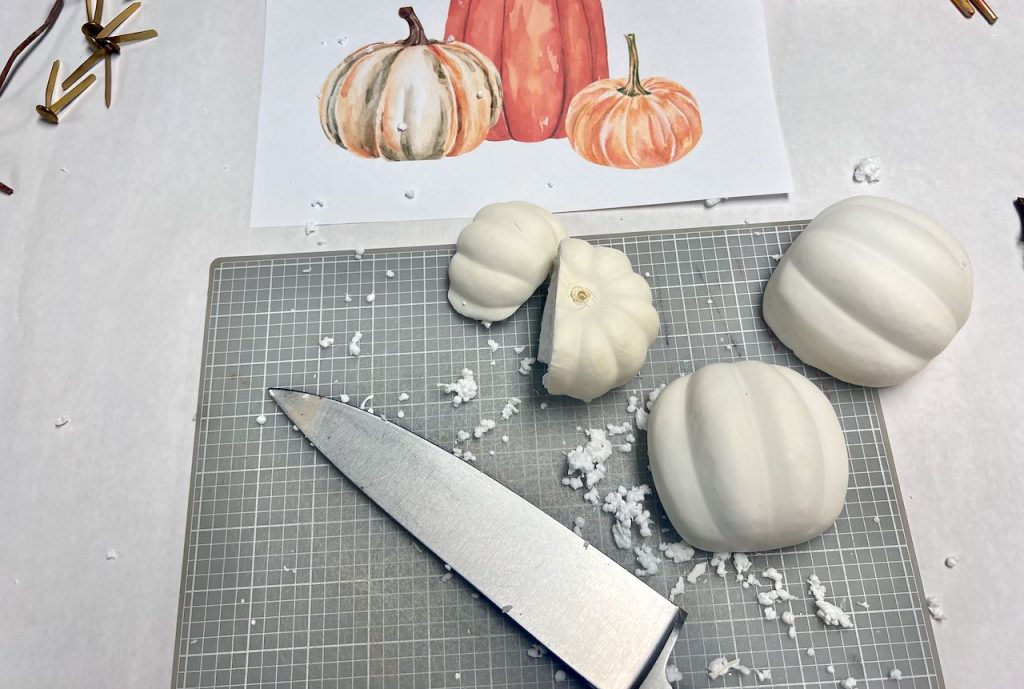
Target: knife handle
[{"x": 656, "y": 677}]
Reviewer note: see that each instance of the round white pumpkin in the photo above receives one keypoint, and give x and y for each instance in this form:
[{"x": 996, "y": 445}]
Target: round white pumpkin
[
  {"x": 501, "y": 258},
  {"x": 747, "y": 456},
  {"x": 870, "y": 292},
  {"x": 599, "y": 321}
]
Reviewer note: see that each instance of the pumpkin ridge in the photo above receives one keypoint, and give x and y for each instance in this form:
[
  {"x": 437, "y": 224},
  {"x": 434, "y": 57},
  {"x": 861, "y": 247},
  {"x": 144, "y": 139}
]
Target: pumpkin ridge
[
  {"x": 342, "y": 85},
  {"x": 373, "y": 98},
  {"x": 454, "y": 75},
  {"x": 811, "y": 416},
  {"x": 691, "y": 141},
  {"x": 864, "y": 317},
  {"x": 897, "y": 217},
  {"x": 664, "y": 129},
  {"x": 700, "y": 461},
  {"x": 613, "y": 120},
  {"x": 476, "y": 61},
  {"x": 792, "y": 268}
]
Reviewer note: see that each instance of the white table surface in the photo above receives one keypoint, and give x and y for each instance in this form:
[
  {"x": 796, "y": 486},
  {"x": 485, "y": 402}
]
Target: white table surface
[{"x": 103, "y": 279}]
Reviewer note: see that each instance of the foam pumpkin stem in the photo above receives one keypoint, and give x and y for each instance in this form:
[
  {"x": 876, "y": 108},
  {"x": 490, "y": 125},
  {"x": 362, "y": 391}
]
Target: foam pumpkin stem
[
  {"x": 633, "y": 123},
  {"x": 417, "y": 99}
]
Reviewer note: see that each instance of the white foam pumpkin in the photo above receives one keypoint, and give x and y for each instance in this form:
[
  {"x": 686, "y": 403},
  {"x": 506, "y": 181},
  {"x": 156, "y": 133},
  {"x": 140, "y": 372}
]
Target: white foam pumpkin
[
  {"x": 598, "y": 321},
  {"x": 747, "y": 456},
  {"x": 502, "y": 257},
  {"x": 870, "y": 292}
]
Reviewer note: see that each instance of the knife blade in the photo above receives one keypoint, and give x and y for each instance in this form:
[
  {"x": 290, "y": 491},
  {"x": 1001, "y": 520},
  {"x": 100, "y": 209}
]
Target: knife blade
[{"x": 607, "y": 625}]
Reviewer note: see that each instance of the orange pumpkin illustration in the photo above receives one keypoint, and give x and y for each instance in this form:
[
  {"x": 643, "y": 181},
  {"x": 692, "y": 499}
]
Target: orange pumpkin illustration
[
  {"x": 546, "y": 51},
  {"x": 629, "y": 123},
  {"x": 417, "y": 99}
]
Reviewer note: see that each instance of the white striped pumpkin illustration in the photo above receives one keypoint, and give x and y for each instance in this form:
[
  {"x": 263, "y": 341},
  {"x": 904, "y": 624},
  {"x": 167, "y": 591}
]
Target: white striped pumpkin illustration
[
  {"x": 417, "y": 99},
  {"x": 870, "y": 292}
]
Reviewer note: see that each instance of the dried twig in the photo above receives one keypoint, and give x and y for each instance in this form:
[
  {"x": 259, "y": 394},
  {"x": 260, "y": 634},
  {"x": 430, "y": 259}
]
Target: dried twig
[{"x": 51, "y": 18}]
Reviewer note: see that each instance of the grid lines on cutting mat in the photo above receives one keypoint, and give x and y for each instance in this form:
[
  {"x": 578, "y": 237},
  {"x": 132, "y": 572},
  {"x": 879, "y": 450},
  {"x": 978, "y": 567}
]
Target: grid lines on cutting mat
[{"x": 292, "y": 578}]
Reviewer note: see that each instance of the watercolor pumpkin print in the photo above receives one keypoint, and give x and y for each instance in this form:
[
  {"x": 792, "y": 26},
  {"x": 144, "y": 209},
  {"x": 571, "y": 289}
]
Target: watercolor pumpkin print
[
  {"x": 417, "y": 99},
  {"x": 634, "y": 123},
  {"x": 546, "y": 50},
  {"x": 521, "y": 70}
]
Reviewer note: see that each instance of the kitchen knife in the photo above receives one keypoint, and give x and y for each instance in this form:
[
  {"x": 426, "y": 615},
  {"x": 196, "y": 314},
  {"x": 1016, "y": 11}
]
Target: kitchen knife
[{"x": 607, "y": 625}]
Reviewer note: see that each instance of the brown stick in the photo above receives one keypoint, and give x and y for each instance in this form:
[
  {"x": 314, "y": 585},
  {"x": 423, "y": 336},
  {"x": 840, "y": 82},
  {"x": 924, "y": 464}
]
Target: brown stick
[
  {"x": 50, "y": 19},
  {"x": 55, "y": 11}
]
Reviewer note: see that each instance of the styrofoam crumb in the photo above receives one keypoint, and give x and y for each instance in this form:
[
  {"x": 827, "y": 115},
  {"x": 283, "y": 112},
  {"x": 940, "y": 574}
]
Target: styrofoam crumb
[
  {"x": 61, "y": 421},
  {"x": 344, "y": 398},
  {"x": 326, "y": 341},
  {"x": 111, "y": 554},
  {"x": 952, "y": 561},
  {"x": 504, "y": 438},
  {"x": 560, "y": 675},
  {"x": 353, "y": 345},
  {"x": 672, "y": 673},
  {"x": 526, "y": 365},
  {"x": 359, "y": 252},
  {"x": 935, "y": 608},
  {"x": 896, "y": 674},
  {"x": 316, "y": 203},
  {"x": 261, "y": 419},
  {"x": 519, "y": 349},
  {"x": 627, "y": 504},
  {"x": 464, "y": 389},
  {"x": 492, "y": 345},
  {"x": 868, "y": 170},
  {"x": 311, "y": 226},
  {"x": 483, "y": 427},
  {"x": 410, "y": 193},
  {"x": 536, "y": 651},
  {"x": 543, "y": 405},
  {"x": 389, "y": 274},
  {"x": 348, "y": 299},
  {"x": 371, "y": 297},
  {"x": 848, "y": 683},
  {"x": 721, "y": 666},
  {"x": 366, "y": 401},
  {"x": 401, "y": 414},
  {"x": 648, "y": 562},
  {"x": 511, "y": 408}
]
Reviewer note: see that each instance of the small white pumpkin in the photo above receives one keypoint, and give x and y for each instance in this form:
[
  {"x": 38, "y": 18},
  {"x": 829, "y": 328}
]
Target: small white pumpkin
[
  {"x": 747, "y": 456},
  {"x": 598, "y": 321},
  {"x": 870, "y": 292},
  {"x": 502, "y": 257}
]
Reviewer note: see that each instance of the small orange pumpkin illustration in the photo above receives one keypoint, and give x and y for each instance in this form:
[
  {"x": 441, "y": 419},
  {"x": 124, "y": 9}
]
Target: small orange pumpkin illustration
[
  {"x": 629, "y": 123},
  {"x": 417, "y": 99}
]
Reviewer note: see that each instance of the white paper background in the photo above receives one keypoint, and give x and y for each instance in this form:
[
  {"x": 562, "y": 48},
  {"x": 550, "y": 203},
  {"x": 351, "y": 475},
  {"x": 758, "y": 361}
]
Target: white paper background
[
  {"x": 104, "y": 271},
  {"x": 718, "y": 50}
]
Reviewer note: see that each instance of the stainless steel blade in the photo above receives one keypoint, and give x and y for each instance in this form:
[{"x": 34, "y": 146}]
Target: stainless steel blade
[{"x": 611, "y": 628}]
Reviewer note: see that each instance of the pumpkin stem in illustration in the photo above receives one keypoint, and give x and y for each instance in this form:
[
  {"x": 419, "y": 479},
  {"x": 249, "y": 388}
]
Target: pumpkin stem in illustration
[
  {"x": 417, "y": 36},
  {"x": 633, "y": 123},
  {"x": 634, "y": 87},
  {"x": 416, "y": 99}
]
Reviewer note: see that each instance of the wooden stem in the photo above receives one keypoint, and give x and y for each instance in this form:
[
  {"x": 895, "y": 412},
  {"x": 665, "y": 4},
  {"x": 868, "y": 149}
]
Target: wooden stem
[
  {"x": 634, "y": 87},
  {"x": 417, "y": 36}
]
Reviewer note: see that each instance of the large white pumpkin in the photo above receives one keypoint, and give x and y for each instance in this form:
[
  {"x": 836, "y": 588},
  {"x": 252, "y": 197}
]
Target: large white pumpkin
[
  {"x": 870, "y": 292},
  {"x": 502, "y": 257},
  {"x": 747, "y": 456},
  {"x": 599, "y": 321}
]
